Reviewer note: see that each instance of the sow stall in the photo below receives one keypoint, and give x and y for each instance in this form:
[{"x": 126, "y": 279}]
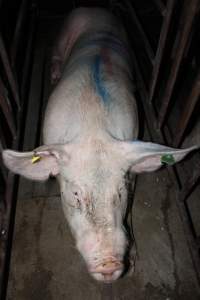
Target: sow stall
[{"x": 37, "y": 260}]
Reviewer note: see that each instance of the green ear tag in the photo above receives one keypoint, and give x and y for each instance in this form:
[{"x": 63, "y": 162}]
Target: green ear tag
[{"x": 167, "y": 159}]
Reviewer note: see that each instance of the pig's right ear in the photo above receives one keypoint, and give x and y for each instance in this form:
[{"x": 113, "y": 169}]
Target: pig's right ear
[{"x": 36, "y": 165}]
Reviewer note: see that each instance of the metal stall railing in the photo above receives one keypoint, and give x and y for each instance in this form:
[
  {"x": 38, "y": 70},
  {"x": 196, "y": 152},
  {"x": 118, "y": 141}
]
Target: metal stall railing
[
  {"x": 15, "y": 62},
  {"x": 168, "y": 79}
]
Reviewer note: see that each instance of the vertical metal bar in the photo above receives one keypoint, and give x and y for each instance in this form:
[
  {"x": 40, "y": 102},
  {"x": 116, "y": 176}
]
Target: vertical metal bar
[
  {"x": 185, "y": 26},
  {"x": 191, "y": 181},
  {"x": 9, "y": 72},
  {"x": 161, "y": 46},
  {"x": 187, "y": 112},
  {"x": 2, "y": 167},
  {"x": 143, "y": 35},
  {"x": 18, "y": 31},
  {"x": 192, "y": 244},
  {"x": 7, "y": 110},
  {"x": 29, "y": 52},
  {"x": 161, "y": 7},
  {"x": 6, "y": 224}
]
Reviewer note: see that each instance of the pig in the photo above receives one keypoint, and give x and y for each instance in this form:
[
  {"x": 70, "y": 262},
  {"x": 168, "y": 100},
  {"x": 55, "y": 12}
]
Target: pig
[{"x": 90, "y": 133}]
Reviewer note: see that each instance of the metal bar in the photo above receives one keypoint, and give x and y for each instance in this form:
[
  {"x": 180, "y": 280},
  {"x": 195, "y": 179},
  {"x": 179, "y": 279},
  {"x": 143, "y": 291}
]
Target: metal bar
[
  {"x": 160, "y": 6},
  {"x": 6, "y": 211},
  {"x": 185, "y": 26},
  {"x": 18, "y": 31},
  {"x": 157, "y": 136},
  {"x": 2, "y": 167},
  {"x": 161, "y": 47},
  {"x": 29, "y": 51},
  {"x": 192, "y": 244},
  {"x": 143, "y": 35},
  {"x": 148, "y": 107},
  {"x": 7, "y": 110},
  {"x": 191, "y": 181},
  {"x": 187, "y": 112},
  {"x": 9, "y": 72},
  {"x": 6, "y": 220}
]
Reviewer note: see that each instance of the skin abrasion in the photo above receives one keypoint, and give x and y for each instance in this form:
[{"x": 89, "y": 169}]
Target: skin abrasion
[{"x": 90, "y": 134}]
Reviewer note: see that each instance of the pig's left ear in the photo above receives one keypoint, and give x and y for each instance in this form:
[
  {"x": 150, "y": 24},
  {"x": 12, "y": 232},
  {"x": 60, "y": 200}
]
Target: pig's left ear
[
  {"x": 38, "y": 164},
  {"x": 147, "y": 157}
]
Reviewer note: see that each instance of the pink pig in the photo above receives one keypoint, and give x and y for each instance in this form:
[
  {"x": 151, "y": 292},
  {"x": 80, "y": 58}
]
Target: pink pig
[{"x": 90, "y": 131}]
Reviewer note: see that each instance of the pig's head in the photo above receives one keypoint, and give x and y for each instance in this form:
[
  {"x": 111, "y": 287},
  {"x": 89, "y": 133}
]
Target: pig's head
[{"x": 93, "y": 191}]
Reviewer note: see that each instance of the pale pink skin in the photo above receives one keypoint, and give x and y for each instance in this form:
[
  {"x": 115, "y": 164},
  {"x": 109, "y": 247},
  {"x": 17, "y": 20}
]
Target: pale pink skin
[
  {"x": 89, "y": 144},
  {"x": 102, "y": 241}
]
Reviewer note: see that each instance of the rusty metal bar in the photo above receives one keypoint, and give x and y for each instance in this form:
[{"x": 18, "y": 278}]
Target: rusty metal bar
[
  {"x": 187, "y": 111},
  {"x": 18, "y": 31},
  {"x": 7, "y": 110},
  {"x": 9, "y": 73},
  {"x": 160, "y": 6},
  {"x": 161, "y": 47},
  {"x": 185, "y": 26},
  {"x": 143, "y": 35}
]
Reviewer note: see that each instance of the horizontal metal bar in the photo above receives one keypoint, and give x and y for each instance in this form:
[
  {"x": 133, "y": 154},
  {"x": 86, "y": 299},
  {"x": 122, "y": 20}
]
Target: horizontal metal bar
[
  {"x": 185, "y": 27},
  {"x": 18, "y": 30},
  {"x": 186, "y": 113},
  {"x": 160, "y": 6},
  {"x": 161, "y": 47},
  {"x": 9, "y": 73},
  {"x": 147, "y": 46}
]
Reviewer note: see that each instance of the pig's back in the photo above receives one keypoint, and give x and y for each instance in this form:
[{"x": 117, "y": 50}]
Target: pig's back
[{"x": 95, "y": 93}]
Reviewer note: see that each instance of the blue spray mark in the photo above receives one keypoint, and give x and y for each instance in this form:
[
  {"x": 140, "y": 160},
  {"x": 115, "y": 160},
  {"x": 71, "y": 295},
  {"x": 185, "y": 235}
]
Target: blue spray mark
[
  {"x": 99, "y": 84},
  {"x": 108, "y": 40}
]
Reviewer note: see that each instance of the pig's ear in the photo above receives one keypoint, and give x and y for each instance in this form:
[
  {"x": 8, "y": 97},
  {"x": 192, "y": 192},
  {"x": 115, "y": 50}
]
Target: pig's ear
[
  {"x": 38, "y": 164},
  {"x": 147, "y": 157}
]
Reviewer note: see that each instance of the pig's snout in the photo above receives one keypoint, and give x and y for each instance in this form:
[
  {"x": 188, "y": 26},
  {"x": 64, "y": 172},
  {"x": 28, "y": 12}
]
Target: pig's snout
[{"x": 107, "y": 271}]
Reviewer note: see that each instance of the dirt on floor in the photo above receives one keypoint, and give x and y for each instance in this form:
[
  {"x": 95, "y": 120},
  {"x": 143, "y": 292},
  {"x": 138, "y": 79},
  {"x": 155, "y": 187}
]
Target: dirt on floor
[{"x": 46, "y": 265}]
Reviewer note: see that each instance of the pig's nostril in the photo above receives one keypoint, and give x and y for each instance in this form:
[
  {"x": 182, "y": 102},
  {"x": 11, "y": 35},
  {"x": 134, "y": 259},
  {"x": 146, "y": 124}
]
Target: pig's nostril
[{"x": 110, "y": 270}]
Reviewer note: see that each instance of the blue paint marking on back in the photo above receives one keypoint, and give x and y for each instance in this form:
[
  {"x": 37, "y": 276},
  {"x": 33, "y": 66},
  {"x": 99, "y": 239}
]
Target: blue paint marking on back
[
  {"x": 108, "y": 40},
  {"x": 99, "y": 84}
]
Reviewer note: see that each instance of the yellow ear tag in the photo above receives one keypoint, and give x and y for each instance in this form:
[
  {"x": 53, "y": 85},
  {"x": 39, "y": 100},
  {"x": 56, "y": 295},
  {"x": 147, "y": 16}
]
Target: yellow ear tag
[{"x": 35, "y": 159}]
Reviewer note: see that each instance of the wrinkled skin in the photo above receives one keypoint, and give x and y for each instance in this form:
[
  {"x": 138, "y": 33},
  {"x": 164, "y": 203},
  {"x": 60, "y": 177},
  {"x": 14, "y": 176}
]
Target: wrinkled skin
[
  {"x": 94, "y": 197},
  {"x": 90, "y": 131}
]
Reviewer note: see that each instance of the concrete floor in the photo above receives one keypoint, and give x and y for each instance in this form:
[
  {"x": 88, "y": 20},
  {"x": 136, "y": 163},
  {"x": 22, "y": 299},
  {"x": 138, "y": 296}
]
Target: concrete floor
[{"x": 46, "y": 265}]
